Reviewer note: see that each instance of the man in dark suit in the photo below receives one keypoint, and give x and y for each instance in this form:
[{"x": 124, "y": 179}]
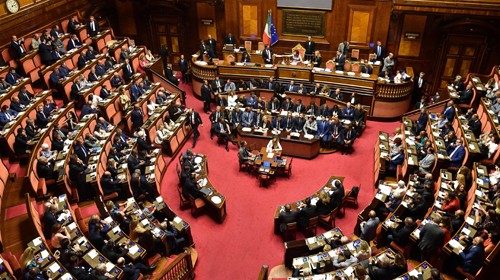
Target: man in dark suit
[
  {"x": 401, "y": 236},
  {"x": 195, "y": 121},
  {"x": 143, "y": 144},
  {"x": 291, "y": 87},
  {"x": 380, "y": 51},
  {"x": 12, "y": 77},
  {"x": 16, "y": 48},
  {"x": 82, "y": 60},
  {"x": 456, "y": 153},
  {"x": 92, "y": 27},
  {"x": 431, "y": 238},
  {"x": 270, "y": 84},
  {"x": 56, "y": 32},
  {"x": 305, "y": 214},
  {"x": 134, "y": 163},
  {"x": 348, "y": 137},
  {"x": 229, "y": 39},
  {"x": 73, "y": 26},
  {"x": 267, "y": 55},
  {"x": 223, "y": 131},
  {"x": 81, "y": 151},
  {"x": 310, "y": 48},
  {"x": 24, "y": 96},
  {"x": 339, "y": 61},
  {"x": 286, "y": 217},
  {"x": 6, "y": 115},
  {"x": 206, "y": 96},
  {"x": 109, "y": 185},
  {"x": 184, "y": 67},
  {"x": 87, "y": 109},
  {"x": 472, "y": 257},
  {"x": 137, "y": 117},
  {"x": 128, "y": 71},
  {"x": 205, "y": 50},
  {"x": 217, "y": 85},
  {"x": 465, "y": 96},
  {"x": 474, "y": 125},
  {"x": 212, "y": 44},
  {"x": 77, "y": 176},
  {"x": 419, "y": 87},
  {"x": 421, "y": 123},
  {"x": 16, "y": 105},
  {"x": 369, "y": 227},
  {"x": 104, "y": 92},
  {"x": 21, "y": 142},
  {"x": 73, "y": 43},
  {"x": 449, "y": 111},
  {"x": 41, "y": 119},
  {"x": 49, "y": 219}
]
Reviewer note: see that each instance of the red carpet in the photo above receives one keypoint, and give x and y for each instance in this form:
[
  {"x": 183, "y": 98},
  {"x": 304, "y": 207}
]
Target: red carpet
[{"x": 237, "y": 248}]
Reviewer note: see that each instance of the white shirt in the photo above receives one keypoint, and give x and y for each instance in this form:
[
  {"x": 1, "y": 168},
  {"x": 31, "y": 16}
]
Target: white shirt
[
  {"x": 270, "y": 148},
  {"x": 231, "y": 100}
]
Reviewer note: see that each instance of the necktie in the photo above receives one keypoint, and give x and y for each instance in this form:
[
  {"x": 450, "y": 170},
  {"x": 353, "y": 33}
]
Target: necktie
[
  {"x": 378, "y": 51},
  {"x": 290, "y": 88},
  {"x": 192, "y": 118},
  {"x": 454, "y": 151},
  {"x": 128, "y": 68},
  {"x": 92, "y": 26},
  {"x": 84, "y": 151}
]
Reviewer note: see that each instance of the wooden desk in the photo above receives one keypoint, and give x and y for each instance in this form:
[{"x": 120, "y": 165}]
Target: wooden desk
[
  {"x": 296, "y": 205},
  {"x": 309, "y": 246},
  {"x": 300, "y": 147},
  {"x": 215, "y": 201}
]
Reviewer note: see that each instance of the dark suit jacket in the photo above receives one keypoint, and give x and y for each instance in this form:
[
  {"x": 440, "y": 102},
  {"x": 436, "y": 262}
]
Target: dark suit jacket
[
  {"x": 431, "y": 238},
  {"x": 197, "y": 119},
  {"x": 73, "y": 44},
  {"x": 305, "y": 214},
  {"x": 81, "y": 62},
  {"x": 472, "y": 258},
  {"x": 310, "y": 47},
  {"x": 93, "y": 32},
  {"x": 137, "y": 118},
  {"x": 93, "y": 77},
  {"x": 268, "y": 58},
  {"x": 16, "y": 50},
  {"x": 41, "y": 121},
  {"x": 127, "y": 73},
  {"x": 286, "y": 218},
  {"x": 81, "y": 152}
]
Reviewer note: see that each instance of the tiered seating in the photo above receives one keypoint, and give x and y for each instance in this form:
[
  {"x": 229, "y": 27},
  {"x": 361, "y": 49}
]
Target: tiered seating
[
  {"x": 37, "y": 184},
  {"x": 326, "y": 221}
]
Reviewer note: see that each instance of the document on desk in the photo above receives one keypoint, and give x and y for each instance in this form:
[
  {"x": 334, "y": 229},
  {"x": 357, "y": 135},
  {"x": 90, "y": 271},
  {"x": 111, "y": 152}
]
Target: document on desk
[{"x": 133, "y": 250}]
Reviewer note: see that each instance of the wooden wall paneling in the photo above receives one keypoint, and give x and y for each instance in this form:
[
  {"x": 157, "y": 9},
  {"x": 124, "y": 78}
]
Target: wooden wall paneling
[
  {"x": 127, "y": 25},
  {"x": 360, "y": 24},
  {"x": 412, "y": 24},
  {"x": 205, "y": 10},
  {"x": 249, "y": 27}
]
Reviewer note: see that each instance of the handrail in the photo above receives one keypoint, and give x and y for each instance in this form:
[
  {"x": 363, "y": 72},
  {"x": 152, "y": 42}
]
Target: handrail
[
  {"x": 181, "y": 268},
  {"x": 431, "y": 107}
]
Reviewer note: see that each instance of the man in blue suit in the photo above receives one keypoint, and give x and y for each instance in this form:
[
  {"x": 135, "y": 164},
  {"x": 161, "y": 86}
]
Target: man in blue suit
[
  {"x": 323, "y": 131},
  {"x": 472, "y": 258},
  {"x": 12, "y": 77},
  {"x": 73, "y": 43},
  {"x": 291, "y": 87},
  {"x": 6, "y": 115},
  {"x": 457, "y": 154},
  {"x": 135, "y": 92},
  {"x": 128, "y": 71},
  {"x": 137, "y": 117},
  {"x": 247, "y": 118},
  {"x": 397, "y": 159},
  {"x": 348, "y": 112},
  {"x": 449, "y": 111},
  {"x": 422, "y": 121},
  {"x": 278, "y": 123}
]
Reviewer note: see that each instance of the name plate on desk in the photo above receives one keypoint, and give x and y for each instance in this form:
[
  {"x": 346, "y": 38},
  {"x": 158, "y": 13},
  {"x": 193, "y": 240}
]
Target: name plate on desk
[{"x": 300, "y": 22}]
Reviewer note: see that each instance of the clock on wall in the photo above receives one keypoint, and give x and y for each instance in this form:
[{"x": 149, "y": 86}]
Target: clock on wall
[{"x": 12, "y": 6}]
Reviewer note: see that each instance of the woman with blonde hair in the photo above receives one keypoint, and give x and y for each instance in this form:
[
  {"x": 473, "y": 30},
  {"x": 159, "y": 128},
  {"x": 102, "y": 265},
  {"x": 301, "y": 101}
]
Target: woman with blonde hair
[{"x": 125, "y": 102}]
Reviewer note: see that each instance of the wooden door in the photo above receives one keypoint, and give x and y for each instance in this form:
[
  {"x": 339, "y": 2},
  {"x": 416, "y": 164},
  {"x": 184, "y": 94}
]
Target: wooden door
[
  {"x": 168, "y": 33},
  {"x": 461, "y": 55}
]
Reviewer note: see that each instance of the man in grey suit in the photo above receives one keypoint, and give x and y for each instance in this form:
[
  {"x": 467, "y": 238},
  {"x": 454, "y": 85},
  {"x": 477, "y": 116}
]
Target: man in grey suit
[
  {"x": 369, "y": 227},
  {"x": 427, "y": 162},
  {"x": 229, "y": 86},
  {"x": 343, "y": 47},
  {"x": 431, "y": 238},
  {"x": 388, "y": 63}
]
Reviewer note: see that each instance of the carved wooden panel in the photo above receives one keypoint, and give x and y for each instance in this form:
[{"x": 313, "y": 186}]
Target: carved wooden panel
[
  {"x": 412, "y": 24},
  {"x": 249, "y": 20},
  {"x": 206, "y": 12},
  {"x": 360, "y": 24}
]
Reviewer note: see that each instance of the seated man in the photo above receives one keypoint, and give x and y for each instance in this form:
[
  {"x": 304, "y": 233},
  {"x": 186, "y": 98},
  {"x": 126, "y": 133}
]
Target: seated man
[
  {"x": 401, "y": 236},
  {"x": 369, "y": 227},
  {"x": 285, "y": 217},
  {"x": 305, "y": 214},
  {"x": 223, "y": 131},
  {"x": 108, "y": 184},
  {"x": 244, "y": 155},
  {"x": 472, "y": 257},
  {"x": 457, "y": 153}
]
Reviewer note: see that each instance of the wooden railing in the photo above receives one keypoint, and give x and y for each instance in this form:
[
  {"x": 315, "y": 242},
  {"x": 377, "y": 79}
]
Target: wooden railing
[
  {"x": 393, "y": 91},
  {"x": 180, "y": 269}
]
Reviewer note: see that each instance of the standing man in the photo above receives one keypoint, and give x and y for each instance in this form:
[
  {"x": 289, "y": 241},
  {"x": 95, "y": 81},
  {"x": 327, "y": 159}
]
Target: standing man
[
  {"x": 206, "y": 96},
  {"x": 310, "y": 48},
  {"x": 92, "y": 27},
  {"x": 344, "y": 48},
  {"x": 388, "y": 64},
  {"x": 230, "y": 40},
  {"x": 267, "y": 55},
  {"x": 380, "y": 51},
  {"x": 212, "y": 44},
  {"x": 419, "y": 88},
  {"x": 194, "y": 121},
  {"x": 184, "y": 66}
]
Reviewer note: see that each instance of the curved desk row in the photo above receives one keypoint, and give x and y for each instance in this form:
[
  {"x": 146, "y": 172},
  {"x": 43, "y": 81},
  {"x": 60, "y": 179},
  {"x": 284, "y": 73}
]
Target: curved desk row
[{"x": 385, "y": 100}]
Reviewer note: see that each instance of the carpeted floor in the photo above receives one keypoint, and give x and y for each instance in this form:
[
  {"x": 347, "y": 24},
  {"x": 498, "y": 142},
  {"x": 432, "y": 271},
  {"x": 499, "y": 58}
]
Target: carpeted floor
[{"x": 237, "y": 248}]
